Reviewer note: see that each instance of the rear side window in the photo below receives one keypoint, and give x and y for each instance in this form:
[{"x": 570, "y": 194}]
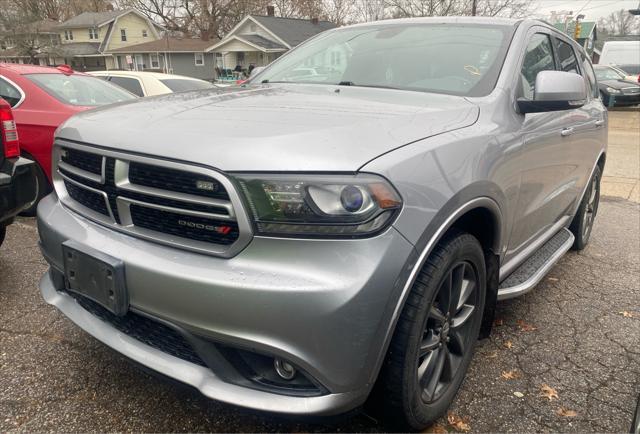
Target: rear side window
[
  {"x": 180, "y": 85},
  {"x": 131, "y": 84},
  {"x": 538, "y": 57},
  {"x": 566, "y": 57},
  {"x": 9, "y": 93},
  {"x": 80, "y": 90},
  {"x": 591, "y": 76}
]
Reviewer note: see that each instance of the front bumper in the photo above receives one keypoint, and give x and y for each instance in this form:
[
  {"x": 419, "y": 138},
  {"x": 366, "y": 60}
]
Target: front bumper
[
  {"x": 17, "y": 187},
  {"x": 326, "y": 306}
]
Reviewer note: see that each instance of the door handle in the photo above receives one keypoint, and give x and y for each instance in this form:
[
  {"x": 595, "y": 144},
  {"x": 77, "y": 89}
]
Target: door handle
[
  {"x": 566, "y": 132},
  {"x": 600, "y": 123}
]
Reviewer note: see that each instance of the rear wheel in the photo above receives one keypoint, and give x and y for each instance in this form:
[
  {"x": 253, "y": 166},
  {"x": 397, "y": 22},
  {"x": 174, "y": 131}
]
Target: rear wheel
[
  {"x": 436, "y": 334},
  {"x": 582, "y": 223},
  {"x": 42, "y": 189}
]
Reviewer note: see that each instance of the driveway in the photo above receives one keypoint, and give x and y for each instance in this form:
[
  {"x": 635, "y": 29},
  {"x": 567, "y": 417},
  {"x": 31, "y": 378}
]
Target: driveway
[{"x": 565, "y": 357}]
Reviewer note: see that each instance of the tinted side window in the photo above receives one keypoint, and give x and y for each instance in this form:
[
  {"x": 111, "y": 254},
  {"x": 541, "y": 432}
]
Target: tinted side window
[
  {"x": 9, "y": 93},
  {"x": 591, "y": 76},
  {"x": 566, "y": 57},
  {"x": 130, "y": 84},
  {"x": 538, "y": 57}
]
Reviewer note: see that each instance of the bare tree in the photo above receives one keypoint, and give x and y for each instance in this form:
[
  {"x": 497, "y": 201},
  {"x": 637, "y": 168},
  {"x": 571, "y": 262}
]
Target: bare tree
[
  {"x": 431, "y": 8},
  {"x": 370, "y": 10},
  {"x": 619, "y": 23},
  {"x": 339, "y": 12}
]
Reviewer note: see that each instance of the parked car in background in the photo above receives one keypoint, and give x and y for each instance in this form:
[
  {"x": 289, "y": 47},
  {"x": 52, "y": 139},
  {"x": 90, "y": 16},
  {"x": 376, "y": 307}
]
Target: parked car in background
[
  {"x": 317, "y": 244},
  {"x": 44, "y": 97},
  {"x": 614, "y": 87},
  {"x": 17, "y": 187},
  {"x": 627, "y": 76},
  {"x": 144, "y": 83}
]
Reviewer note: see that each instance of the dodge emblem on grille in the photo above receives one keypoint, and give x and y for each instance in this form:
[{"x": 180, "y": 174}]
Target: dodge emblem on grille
[
  {"x": 206, "y": 185},
  {"x": 224, "y": 230}
]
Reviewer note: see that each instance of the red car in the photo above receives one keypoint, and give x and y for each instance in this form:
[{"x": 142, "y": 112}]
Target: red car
[{"x": 44, "y": 97}]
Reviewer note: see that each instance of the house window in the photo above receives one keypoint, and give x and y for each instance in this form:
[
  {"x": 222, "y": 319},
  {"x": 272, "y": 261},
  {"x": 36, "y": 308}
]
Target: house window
[
  {"x": 144, "y": 33},
  {"x": 123, "y": 35},
  {"x": 199, "y": 57},
  {"x": 154, "y": 61},
  {"x": 68, "y": 35},
  {"x": 93, "y": 33},
  {"x": 240, "y": 57}
]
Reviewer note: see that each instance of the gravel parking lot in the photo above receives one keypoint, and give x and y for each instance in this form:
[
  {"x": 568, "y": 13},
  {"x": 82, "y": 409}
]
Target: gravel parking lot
[{"x": 565, "y": 357}]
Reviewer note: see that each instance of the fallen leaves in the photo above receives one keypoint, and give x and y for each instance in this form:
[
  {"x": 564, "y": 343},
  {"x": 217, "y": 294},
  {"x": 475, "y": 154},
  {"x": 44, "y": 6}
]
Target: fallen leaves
[
  {"x": 518, "y": 394},
  {"x": 553, "y": 279},
  {"x": 492, "y": 355},
  {"x": 626, "y": 314},
  {"x": 565, "y": 412},
  {"x": 498, "y": 322},
  {"x": 458, "y": 423},
  {"x": 508, "y": 345},
  {"x": 436, "y": 429},
  {"x": 525, "y": 327},
  {"x": 548, "y": 392},
  {"x": 510, "y": 375}
]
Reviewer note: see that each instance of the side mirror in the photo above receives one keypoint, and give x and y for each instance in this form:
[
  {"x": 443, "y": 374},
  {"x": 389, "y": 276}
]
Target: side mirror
[
  {"x": 555, "y": 90},
  {"x": 257, "y": 70}
]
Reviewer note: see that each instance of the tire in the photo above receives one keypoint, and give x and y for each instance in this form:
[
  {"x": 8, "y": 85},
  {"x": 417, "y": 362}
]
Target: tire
[
  {"x": 3, "y": 232},
  {"x": 411, "y": 396},
  {"x": 43, "y": 188},
  {"x": 582, "y": 223}
]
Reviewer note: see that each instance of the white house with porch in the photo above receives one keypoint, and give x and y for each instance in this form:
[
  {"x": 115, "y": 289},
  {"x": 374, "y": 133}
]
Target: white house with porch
[{"x": 257, "y": 40}]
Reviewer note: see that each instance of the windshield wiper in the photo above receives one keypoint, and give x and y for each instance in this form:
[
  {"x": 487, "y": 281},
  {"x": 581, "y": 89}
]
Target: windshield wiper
[
  {"x": 346, "y": 83},
  {"x": 376, "y": 86}
]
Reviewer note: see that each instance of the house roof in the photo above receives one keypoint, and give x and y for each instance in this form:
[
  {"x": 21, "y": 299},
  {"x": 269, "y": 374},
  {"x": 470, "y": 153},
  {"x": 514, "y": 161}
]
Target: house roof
[
  {"x": 293, "y": 31},
  {"x": 167, "y": 45},
  {"x": 586, "y": 28},
  {"x": 77, "y": 49},
  {"x": 93, "y": 19},
  {"x": 262, "y": 42}
]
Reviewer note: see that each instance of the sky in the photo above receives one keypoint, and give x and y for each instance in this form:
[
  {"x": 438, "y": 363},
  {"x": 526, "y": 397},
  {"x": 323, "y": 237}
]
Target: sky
[{"x": 592, "y": 9}]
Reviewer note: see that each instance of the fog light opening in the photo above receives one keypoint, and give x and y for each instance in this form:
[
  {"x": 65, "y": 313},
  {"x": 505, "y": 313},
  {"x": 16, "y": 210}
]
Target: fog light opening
[{"x": 285, "y": 370}]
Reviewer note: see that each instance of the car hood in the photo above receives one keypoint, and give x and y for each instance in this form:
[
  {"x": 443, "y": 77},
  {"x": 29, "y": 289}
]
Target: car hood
[
  {"x": 273, "y": 127},
  {"x": 618, "y": 84}
]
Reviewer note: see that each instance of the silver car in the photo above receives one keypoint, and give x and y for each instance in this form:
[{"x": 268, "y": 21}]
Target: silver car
[{"x": 303, "y": 244}]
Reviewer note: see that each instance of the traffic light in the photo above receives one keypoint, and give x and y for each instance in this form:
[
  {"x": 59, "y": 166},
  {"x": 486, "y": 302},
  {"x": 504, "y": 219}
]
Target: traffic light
[{"x": 578, "y": 29}]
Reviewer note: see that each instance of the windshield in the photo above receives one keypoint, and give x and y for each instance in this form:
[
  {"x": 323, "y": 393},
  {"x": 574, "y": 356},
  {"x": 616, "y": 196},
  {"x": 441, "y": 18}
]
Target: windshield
[
  {"x": 608, "y": 74},
  {"x": 180, "y": 85},
  {"x": 80, "y": 90},
  {"x": 444, "y": 58}
]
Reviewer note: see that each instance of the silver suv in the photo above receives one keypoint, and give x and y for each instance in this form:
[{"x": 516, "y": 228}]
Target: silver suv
[{"x": 290, "y": 244}]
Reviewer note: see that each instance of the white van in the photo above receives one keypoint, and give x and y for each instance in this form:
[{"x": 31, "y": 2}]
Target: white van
[{"x": 623, "y": 54}]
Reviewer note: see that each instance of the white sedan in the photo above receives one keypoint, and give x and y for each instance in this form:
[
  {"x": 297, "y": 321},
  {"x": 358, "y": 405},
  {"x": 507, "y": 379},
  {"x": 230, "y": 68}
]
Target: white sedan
[{"x": 152, "y": 83}]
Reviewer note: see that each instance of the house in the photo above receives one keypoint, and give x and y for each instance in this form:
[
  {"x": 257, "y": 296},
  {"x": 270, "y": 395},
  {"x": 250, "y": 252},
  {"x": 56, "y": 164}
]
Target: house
[
  {"x": 29, "y": 43},
  {"x": 587, "y": 37},
  {"x": 85, "y": 40},
  {"x": 257, "y": 40},
  {"x": 169, "y": 55}
]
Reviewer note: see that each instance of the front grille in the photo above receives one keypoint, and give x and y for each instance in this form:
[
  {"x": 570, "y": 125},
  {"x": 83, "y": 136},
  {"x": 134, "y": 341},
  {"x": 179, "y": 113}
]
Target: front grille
[
  {"x": 88, "y": 198},
  {"x": 176, "y": 180},
  {"x": 179, "y": 205},
  {"x": 194, "y": 228},
  {"x": 631, "y": 90},
  {"x": 145, "y": 330},
  {"x": 83, "y": 160}
]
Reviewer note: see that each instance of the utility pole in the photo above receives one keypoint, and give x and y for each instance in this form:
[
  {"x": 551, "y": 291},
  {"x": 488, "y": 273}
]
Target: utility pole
[{"x": 474, "y": 7}]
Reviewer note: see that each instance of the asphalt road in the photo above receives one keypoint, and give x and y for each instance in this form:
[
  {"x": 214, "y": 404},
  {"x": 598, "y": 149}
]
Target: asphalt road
[{"x": 571, "y": 334}]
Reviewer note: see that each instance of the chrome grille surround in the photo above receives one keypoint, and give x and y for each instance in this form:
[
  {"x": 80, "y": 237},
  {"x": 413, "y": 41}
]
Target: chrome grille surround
[{"x": 120, "y": 219}]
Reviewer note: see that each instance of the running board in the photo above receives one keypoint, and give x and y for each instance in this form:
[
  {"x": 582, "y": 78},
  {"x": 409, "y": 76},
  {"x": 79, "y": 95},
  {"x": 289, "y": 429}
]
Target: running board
[{"x": 530, "y": 272}]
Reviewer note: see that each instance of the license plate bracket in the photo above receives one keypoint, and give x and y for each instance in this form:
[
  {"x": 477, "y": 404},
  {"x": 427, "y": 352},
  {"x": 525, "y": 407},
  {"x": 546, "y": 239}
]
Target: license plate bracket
[{"x": 95, "y": 275}]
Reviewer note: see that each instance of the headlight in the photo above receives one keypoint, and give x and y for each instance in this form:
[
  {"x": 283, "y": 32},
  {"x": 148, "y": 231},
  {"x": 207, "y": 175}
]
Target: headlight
[
  {"x": 612, "y": 90},
  {"x": 320, "y": 205}
]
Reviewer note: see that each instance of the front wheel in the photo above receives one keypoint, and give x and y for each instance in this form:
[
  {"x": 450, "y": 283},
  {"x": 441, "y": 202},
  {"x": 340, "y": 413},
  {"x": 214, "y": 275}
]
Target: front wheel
[
  {"x": 582, "y": 223},
  {"x": 436, "y": 334}
]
